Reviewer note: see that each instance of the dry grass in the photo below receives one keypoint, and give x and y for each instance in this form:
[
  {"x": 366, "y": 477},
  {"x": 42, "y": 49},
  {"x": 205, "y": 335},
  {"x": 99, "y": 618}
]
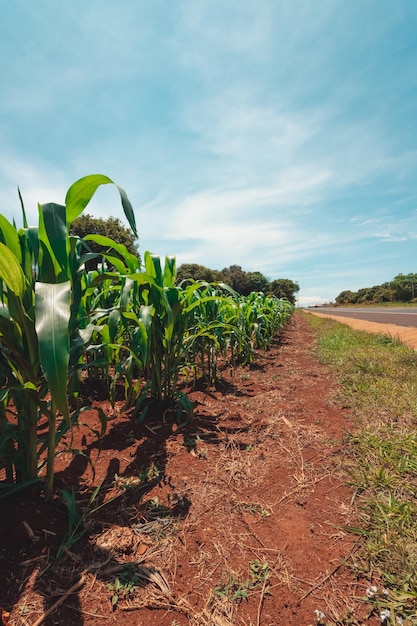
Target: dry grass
[{"x": 378, "y": 377}]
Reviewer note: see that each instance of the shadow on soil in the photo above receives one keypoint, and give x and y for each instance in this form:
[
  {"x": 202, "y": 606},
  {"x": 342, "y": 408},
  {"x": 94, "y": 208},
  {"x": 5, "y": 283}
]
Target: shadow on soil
[{"x": 34, "y": 531}]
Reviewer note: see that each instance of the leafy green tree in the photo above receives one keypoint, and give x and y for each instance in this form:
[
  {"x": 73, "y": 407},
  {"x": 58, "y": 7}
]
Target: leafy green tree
[
  {"x": 384, "y": 293},
  {"x": 284, "y": 288},
  {"x": 258, "y": 282},
  {"x": 365, "y": 295},
  {"x": 375, "y": 294},
  {"x": 111, "y": 227},
  {"x": 387, "y": 292},
  {"x": 194, "y": 271},
  {"x": 405, "y": 287},
  {"x": 347, "y": 297},
  {"x": 242, "y": 282},
  {"x": 237, "y": 278}
]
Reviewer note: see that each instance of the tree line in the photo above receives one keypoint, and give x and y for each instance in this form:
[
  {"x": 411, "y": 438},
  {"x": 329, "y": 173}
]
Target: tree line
[
  {"x": 241, "y": 281},
  {"x": 402, "y": 288}
]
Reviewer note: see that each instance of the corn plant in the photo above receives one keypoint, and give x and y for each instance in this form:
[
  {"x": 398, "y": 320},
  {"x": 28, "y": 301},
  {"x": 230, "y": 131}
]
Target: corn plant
[
  {"x": 262, "y": 316},
  {"x": 211, "y": 327},
  {"x": 40, "y": 280},
  {"x": 155, "y": 325},
  {"x": 162, "y": 312},
  {"x": 143, "y": 329}
]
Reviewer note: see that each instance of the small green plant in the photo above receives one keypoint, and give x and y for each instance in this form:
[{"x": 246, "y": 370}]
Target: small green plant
[
  {"x": 23, "y": 609},
  {"x": 123, "y": 586},
  {"x": 152, "y": 472},
  {"x": 258, "y": 572},
  {"x": 235, "y": 590}
]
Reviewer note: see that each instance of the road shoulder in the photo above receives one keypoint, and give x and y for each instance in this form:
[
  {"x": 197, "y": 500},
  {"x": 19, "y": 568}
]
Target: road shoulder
[{"x": 405, "y": 334}]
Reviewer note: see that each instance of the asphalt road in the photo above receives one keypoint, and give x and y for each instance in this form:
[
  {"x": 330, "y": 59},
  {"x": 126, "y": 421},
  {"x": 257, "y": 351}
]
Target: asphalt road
[{"x": 397, "y": 316}]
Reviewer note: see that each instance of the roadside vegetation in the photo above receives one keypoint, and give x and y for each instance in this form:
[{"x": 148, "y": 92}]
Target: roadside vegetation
[
  {"x": 378, "y": 379},
  {"x": 402, "y": 289}
]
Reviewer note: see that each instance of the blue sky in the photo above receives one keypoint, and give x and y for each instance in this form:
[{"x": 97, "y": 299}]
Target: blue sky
[{"x": 277, "y": 135}]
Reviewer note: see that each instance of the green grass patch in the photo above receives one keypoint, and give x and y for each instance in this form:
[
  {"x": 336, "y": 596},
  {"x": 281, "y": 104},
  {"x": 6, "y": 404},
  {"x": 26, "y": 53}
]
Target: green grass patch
[{"x": 378, "y": 377}]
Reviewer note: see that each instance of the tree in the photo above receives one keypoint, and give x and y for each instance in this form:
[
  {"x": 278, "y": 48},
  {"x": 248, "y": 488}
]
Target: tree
[
  {"x": 284, "y": 288},
  {"x": 405, "y": 287},
  {"x": 347, "y": 297},
  {"x": 194, "y": 271},
  {"x": 257, "y": 282},
  {"x": 384, "y": 293},
  {"x": 111, "y": 227},
  {"x": 237, "y": 279}
]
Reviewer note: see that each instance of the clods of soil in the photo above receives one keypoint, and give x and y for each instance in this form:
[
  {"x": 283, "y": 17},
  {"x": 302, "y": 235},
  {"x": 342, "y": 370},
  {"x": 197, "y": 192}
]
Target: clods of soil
[{"x": 237, "y": 517}]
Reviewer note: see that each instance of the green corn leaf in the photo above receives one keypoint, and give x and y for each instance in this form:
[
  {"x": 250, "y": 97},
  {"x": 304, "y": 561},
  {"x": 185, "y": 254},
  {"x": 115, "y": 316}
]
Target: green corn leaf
[
  {"x": 55, "y": 224},
  {"x": 117, "y": 263},
  {"x": 25, "y": 222},
  {"x": 130, "y": 260},
  {"x": 170, "y": 271},
  {"x": 140, "y": 278},
  {"x": 10, "y": 271},
  {"x": 23, "y": 336},
  {"x": 125, "y": 295},
  {"x": 27, "y": 260},
  {"x": 52, "y": 314},
  {"x": 9, "y": 236},
  {"x": 50, "y": 269},
  {"x": 153, "y": 267},
  {"x": 4, "y": 311},
  {"x": 81, "y": 192},
  {"x": 32, "y": 234},
  {"x": 113, "y": 324}
]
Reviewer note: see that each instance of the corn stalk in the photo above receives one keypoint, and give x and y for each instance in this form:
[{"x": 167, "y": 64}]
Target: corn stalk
[{"x": 41, "y": 289}]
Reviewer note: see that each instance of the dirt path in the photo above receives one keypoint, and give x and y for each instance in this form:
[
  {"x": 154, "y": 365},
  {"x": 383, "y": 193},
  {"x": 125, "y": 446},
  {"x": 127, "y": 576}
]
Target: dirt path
[
  {"x": 236, "y": 519},
  {"x": 406, "y": 334}
]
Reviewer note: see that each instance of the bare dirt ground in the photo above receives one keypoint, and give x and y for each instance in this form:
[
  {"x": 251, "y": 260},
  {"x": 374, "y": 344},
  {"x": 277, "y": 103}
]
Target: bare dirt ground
[{"x": 236, "y": 518}]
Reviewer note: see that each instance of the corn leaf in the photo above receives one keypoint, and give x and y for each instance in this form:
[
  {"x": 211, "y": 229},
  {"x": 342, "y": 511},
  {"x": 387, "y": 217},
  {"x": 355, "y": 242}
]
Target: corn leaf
[
  {"x": 10, "y": 237},
  {"x": 52, "y": 314},
  {"x": 130, "y": 260},
  {"x": 10, "y": 271},
  {"x": 49, "y": 268},
  {"x": 153, "y": 267},
  {"x": 22, "y": 206},
  {"x": 55, "y": 224},
  {"x": 81, "y": 192},
  {"x": 170, "y": 271}
]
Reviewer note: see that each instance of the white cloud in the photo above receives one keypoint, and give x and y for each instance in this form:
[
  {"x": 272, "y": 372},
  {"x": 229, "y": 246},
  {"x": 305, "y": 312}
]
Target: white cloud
[{"x": 38, "y": 181}]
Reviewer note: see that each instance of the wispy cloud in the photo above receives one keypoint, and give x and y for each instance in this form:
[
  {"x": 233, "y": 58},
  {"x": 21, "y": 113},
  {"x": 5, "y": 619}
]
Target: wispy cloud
[{"x": 38, "y": 182}]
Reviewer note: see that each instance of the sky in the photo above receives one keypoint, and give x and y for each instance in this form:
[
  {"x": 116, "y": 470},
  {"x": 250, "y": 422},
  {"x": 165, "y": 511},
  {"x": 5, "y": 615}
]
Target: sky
[{"x": 278, "y": 135}]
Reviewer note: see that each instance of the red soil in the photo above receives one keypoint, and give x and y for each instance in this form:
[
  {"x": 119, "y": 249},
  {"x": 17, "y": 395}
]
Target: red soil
[{"x": 254, "y": 480}]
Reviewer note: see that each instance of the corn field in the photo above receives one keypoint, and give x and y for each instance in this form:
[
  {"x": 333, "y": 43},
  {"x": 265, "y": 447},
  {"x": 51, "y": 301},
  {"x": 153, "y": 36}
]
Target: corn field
[{"x": 128, "y": 322}]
